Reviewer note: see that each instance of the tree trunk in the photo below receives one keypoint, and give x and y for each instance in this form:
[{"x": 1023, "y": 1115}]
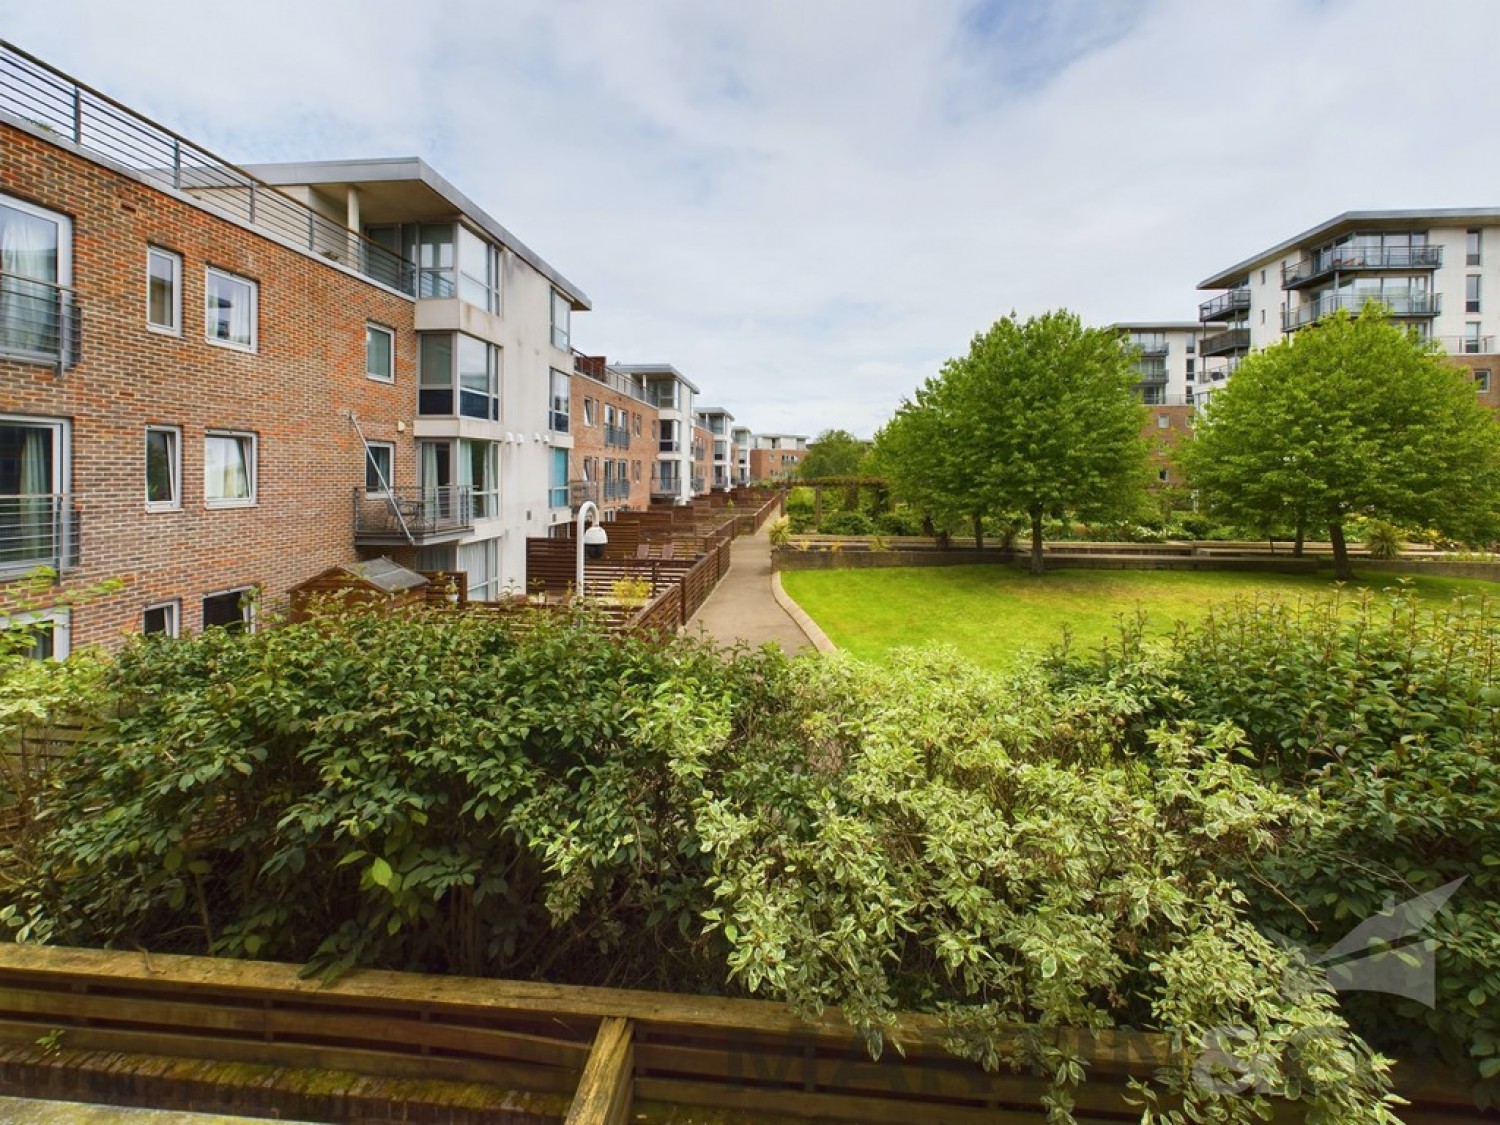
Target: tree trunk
[
  {"x": 1342, "y": 571},
  {"x": 1301, "y": 534},
  {"x": 978, "y": 532},
  {"x": 927, "y": 528},
  {"x": 1036, "y": 541}
]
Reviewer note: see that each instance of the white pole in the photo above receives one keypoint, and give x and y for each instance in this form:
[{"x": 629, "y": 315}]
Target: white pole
[{"x": 583, "y": 511}]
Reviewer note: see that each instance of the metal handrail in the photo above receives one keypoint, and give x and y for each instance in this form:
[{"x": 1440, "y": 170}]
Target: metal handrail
[
  {"x": 1236, "y": 300},
  {"x": 1235, "y": 338},
  {"x": 38, "y": 529},
  {"x": 45, "y": 98},
  {"x": 1409, "y": 304},
  {"x": 1354, "y": 258},
  {"x": 414, "y": 513},
  {"x": 617, "y": 436},
  {"x": 39, "y": 320},
  {"x": 1467, "y": 345}
]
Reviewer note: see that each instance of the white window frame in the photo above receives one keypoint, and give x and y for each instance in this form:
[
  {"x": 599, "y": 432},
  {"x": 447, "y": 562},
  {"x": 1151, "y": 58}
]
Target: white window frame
[
  {"x": 174, "y": 451},
  {"x": 173, "y": 606},
  {"x": 390, "y": 335},
  {"x": 173, "y": 259},
  {"x": 588, "y": 411},
  {"x": 252, "y": 470},
  {"x": 1482, "y": 380},
  {"x": 62, "y": 627},
  {"x": 210, "y": 314},
  {"x": 390, "y": 477},
  {"x": 247, "y": 608}
]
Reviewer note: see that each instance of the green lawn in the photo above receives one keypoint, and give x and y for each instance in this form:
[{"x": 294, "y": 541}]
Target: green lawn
[{"x": 993, "y": 613}]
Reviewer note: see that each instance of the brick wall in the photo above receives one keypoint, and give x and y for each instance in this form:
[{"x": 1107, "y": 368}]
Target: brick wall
[
  {"x": 590, "y": 441},
  {"x": 293, "y": 393},
  {"x": 775, "y": 464}
]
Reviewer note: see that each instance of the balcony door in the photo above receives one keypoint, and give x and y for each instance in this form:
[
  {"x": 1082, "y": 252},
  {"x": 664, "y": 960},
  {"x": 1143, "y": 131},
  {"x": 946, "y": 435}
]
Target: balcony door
[
  {"x": 35, "y": 265},
  {"x": 33, "y": 523}
]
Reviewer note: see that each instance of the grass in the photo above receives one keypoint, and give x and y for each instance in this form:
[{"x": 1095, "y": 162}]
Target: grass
[{"x": 995, "y": 613}]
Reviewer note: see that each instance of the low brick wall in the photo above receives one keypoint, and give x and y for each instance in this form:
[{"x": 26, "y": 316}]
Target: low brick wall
[
  {"x": 790, "y": 558},
  {"x": 1489, "y": 571}
]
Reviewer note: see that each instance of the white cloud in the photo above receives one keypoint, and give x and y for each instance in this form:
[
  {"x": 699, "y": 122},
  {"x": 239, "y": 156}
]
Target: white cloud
[{"x": 806, "y": 207}]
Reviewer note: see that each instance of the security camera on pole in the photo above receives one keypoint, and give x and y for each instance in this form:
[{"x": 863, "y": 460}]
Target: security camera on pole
[{"x": 592, "y": 540}]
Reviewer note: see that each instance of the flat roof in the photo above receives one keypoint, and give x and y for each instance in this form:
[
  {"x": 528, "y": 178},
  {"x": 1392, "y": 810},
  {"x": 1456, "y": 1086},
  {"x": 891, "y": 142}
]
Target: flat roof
[
  {"x": 412, "y": 169},
  {"x": 645, "y": 370},
  {"x": 1378, "y": 220}
]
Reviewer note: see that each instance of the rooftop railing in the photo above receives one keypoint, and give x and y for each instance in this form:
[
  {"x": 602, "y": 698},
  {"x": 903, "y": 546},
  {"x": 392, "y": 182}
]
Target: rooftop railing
[
  {"x": 47, "y": 99},
  {"x": 39, "y": 322},
  {"x": 595, "y": 368}
]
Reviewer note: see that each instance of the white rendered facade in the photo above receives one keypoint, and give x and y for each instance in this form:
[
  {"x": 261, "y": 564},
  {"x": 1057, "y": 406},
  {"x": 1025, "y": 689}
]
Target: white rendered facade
[
  {"x": 740, "y": 439},
  {"x": 675, "y": 399},
  {"x": 1167, "y": 359},
  {"x": 494, "y": 325},
  {"x": 719, "y": 423}
]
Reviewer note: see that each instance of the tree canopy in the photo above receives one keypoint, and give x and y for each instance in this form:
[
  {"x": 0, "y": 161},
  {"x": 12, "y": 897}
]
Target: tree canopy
[
  {"x": 1353, "y": 417},
  {"x": 1040, "y": 418},
  {"x": 834, "y": 453}
]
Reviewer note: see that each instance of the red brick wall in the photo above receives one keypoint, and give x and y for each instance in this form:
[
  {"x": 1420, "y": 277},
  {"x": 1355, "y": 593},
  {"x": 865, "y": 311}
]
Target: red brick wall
[
  {"x": 293, "y": 393},
  {"x": 1164, "y": 438},
  {"x": 588, "y": 441},
  {"x": 774, "y": 464}
]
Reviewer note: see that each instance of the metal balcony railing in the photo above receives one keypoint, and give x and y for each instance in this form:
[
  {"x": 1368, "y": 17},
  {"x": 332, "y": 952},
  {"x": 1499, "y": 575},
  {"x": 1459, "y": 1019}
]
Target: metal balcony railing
[
  {"x": 1222, "y": 343},
  {"x": 1151, "y": 372},
  {"x": 616, "y": 489},
  {"x": 38, "y": 530},
  {"x": 594, "y": 367},
  {"x": 413, "y": 515},
  {"x": 617, "y": 436},
  {"x": 1395, "y": 304},
  {"x": 45, "y": 98},
  {"x": 1353, "y": 259},
  {"x": 1467, "y": 345},
  {"x": 39, "y": 322},
  {"x": 1150, "y": 350},
  {"x": 583, "y": 492},
  {"x": 1226, "y": 306}
]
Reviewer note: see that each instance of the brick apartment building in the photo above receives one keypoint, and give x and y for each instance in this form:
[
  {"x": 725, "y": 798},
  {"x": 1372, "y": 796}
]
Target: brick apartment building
[
  {"x": 1166, "y": 358},
  {"x": 718, "y": 425},
  {"x": 213, "y": 388},
  {"x": 775, "y": 457},
  {"x": 614, "y": 430}
]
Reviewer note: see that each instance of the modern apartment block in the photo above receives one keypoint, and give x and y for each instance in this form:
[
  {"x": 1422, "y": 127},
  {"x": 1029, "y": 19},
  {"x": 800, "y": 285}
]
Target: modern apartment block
[
  {"x": 614, "y": 428},
  {"x": 674, "y": 397},
  {"x": 740, "y": 440},
  {"x": 776, "y": 456},
  {"x": 216, "y": 383},
  {"x": 1166, "y": 359},
  {"x": 720, "y": 464},
  {"x": 1437, "y": 271}
]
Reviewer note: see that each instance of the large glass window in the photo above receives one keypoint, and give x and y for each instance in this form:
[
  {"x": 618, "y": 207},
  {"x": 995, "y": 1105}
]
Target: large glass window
[
  {"x": 460, "y": 369},
  {"x": 380, "y": 459},
  {"x": 481, "y": 562},
  {"x": 163, "y": 291},
  {"x": 557, "y": 496},
  {"x": 229, "y": 310},
  {"x": 478, "y": 271},
  {"x": 478, "y": 463},
  {"x": 1472, "y": 247},
  {"x": 233, "y": 610},
  {"x": 229, "y": 470},
  {"x": 435, "y": 260},
  {"x": 561, "y": 400},
  {"x": 667, "y": 441},
  {"x": 562, "y": 312},
  {"x": 35, "y": 268},
  {"x": 163, "y": 468},
  {"x": 1471, "y": 293}
]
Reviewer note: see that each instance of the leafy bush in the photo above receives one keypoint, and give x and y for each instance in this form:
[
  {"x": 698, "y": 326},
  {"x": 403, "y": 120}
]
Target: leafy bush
[
  {"x": 900, "y": 522},
  {"x": 847, "y": 523},
  {"x": 1382, "y": 540},
  {"x": 1389, "y": 716},
  {"x": 779, "y": 531},
  {"x": 799, "y": 501}
]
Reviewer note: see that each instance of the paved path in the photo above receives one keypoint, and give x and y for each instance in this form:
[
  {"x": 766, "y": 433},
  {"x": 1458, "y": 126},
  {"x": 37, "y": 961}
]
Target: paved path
[
  {"x": 25, "y": 1111},
  {"x": 743, "y": 607}
]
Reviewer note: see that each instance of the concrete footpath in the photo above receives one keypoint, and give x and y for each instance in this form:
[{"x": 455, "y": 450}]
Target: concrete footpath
[
  {"x": 744, "y": 606},
  {"x": 27, "y": 1111}
]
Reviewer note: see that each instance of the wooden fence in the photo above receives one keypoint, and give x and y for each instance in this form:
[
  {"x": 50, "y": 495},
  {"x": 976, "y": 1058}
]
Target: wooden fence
[{"x": 199, "y": 1032}]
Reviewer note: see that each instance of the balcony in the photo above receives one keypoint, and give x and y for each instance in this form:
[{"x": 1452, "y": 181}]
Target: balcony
[
  {"x": 1226, "y": 306},
  {"x": 420, "y": 517},
  {"x": 617, "y": 490},
  {"x": 38, "y": 530},
  {"x": 39, "y": 322},
  {"x": 1151, "y": 350},
  {"x": 1323, "y": 264},
  {"x": 583, "y": 492},
  {"x": 1152, "y": 372},
  {"x": 617, "y": 436},
  {"x": 1467, "y": 345},
  {"x": 1397, "y": 305},
  {"x": 1225, "y": 343}
]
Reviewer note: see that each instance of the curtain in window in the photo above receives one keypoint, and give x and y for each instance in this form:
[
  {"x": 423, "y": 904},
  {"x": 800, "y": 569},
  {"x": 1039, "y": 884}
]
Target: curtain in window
[
  {"x": 226, "y": 470},
  {"x": 32, "y": 538},
  {"x": 28, "y": 275}
]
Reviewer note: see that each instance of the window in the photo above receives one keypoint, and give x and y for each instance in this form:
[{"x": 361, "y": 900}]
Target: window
[
  {"x": 478, "y": 471},
  {"x": 562, "y": 386},
  {"x": 588, "y": 411},
  {"x": 667, "y": 439},
  {"x": 1471, "y": 338},
  {"x": 163, "y": 291},
  {"x": 163, "y": 468},
  {"x": 1163, "y": 421},
  {"x": 229, "y": 310},
  {"x": 36, "y": 267},
  {"x": 636, "y": 418},
  {"x": 1482, "y": 380},
  {"x": 1471, "y": 293},
  {"x": 233, "y": 610},
  {"x": 34, "y": 506},
  {"x": 557, "y": 497},
  {"x": 478, "y": 271},
  {"x": 1472, "y": 242},
  {"x": 380, "y": 459},
  {"x": 164, "y": 618},
  {"x": 481, "y": 562},
  {"x": 635, "y": 470},
  {"x": 229, "y": 470},
  {"x": 380, "y": 353},
  {"x": 435, "y": 260},
  {"x": 609, "y": 416},
  {"x": 562, "y": 311},
  {"x": 460, "y": 369},
  {"x": 38, "y": 634}
]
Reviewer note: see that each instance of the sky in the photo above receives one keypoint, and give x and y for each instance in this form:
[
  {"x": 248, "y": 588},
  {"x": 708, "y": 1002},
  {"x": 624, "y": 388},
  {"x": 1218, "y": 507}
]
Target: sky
[{"x": 806, "y": 206}]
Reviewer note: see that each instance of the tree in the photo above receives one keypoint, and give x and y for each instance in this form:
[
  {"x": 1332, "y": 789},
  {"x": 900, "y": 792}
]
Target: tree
[
  {"x": 1039, "y": 418},
  {"x": 1352, "y": 417},
  {"x": 834, "y": 453}
]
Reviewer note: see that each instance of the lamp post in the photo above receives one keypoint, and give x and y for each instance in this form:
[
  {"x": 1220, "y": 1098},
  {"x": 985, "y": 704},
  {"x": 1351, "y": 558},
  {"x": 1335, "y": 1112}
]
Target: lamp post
[{"x": 592, "y": 540}]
